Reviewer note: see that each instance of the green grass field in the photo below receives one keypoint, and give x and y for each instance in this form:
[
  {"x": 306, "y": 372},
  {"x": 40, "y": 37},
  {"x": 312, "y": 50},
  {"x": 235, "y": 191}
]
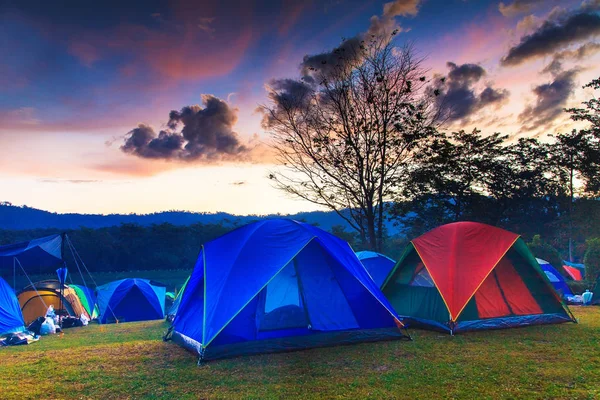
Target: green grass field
[{"x": 130, "y": 361}]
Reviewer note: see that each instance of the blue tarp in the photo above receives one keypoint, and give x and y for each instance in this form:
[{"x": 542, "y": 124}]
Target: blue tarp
[
  {"x": 11, "y": 319},
  {"x": 41, "y": 254},
  {"x": 129, "y": 300},
  {"x": 557, "y": 280},
  {"x": 277, "y": 279},
  {"x": 378, "y": 265}
]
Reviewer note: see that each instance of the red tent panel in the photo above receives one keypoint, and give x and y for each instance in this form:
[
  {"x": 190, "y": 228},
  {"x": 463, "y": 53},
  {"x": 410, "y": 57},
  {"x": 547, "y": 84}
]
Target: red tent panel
[
  {"x": 518, "y": 296},
  {"x": 573, "y": 272},
  {"x": 489, "y": 300},
  {"x": 460, "y": 256}
]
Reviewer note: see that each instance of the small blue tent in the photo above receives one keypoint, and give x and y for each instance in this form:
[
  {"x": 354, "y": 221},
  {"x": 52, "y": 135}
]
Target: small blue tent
[
  {"x": 555, "y": 278},
  {"x": 378, "y": 265},
  {"x": 11, "y": 319},
  {"x": 278, "y": 285},
  {"x": 130, "y": 300}
]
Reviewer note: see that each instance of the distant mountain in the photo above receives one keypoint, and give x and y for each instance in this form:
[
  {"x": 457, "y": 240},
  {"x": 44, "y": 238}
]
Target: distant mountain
[{"x": 22, "y": 218}]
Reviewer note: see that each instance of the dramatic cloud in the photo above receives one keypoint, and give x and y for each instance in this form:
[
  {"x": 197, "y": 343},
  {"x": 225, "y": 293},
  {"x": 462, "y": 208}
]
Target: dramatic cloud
[
  {"x": 517, "y": 7},
  {"x": 460, "y": 92},
  {"x": 206, "y": 135},
  {"x": 584, "y": 51},
  {"x": 551, "y": 99},
  {"x": 326, "y": 63},
  {"x": 286, "y": 94},
  {"x": 581, "y": 52},
  {"x": 553, "y": 36},
  {"x": 349, "y": 51}
]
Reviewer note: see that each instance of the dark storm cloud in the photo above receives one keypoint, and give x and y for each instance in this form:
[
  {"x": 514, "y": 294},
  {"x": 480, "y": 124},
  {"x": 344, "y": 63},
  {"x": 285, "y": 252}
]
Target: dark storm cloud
[
  {"x": 289, "y": 93},
  {"x": 553, "y": 36},
  {"x": 206, "y": 134},
  {"x": 325, "y": 64},
  {"x": 348, "y": 51},
  {"x": 517, "y": 7},
  {"x": 460, "y": 91},
  {"x": 286, "y": 94},
  {"x": 551, "y": 98},
  {"x": 492, "y": 96}
]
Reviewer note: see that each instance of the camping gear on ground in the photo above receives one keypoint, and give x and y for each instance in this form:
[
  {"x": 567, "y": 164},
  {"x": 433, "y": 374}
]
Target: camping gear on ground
[
  {"x": 36, "y": 298},
  {"x": 36, "y": 325},
  {"x": 44, "y": 255},
  {"x": 18, "y": 338},
  {"x": 377, "y": 265},
  {"x": 11, "y": 318},
  {"x": 70, "y": 322},
  {"x": 466, "y": 276},
  {"x": 130, "y": 300},
  {"x": 587, "y": 297},
  {"x": 557, "y": 280},
  {"x": 279, "y": 285},
  {"x": 48, "y": 327}
]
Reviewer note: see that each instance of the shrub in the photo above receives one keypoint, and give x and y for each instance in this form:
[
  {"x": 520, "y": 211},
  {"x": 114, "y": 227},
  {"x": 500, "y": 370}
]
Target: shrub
[
  {"x": 545, "y": 251},
  {"x": 592, "y": 259}
]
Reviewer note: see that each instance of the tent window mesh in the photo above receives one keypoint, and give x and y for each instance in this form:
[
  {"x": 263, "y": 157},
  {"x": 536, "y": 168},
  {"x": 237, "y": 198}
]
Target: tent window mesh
[{"x": 421, "y": 277}]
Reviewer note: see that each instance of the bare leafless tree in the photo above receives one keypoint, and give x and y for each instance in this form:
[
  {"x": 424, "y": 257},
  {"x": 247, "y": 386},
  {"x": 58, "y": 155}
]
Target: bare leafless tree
[{"x": 347, "y": 131}]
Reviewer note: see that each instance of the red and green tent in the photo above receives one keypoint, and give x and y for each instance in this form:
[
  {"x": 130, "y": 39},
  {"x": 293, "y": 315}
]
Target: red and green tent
[{"x": 466, "y": 276}]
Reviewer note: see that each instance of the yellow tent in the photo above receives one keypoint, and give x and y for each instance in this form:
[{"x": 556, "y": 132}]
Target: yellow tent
[{"x": 36, "y": 299}]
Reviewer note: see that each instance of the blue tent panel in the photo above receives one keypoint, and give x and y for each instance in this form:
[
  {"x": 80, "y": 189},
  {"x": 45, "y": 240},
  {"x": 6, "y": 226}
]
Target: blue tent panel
[
  {"x": 11, "y": 319},
  {"x": 43, "y": 253},
  {"x": 277, "y": 280},
  {"x": 130, "y": 300},
  {"x": 557, "y": 280},
  {"x": 378, "y": 265}
]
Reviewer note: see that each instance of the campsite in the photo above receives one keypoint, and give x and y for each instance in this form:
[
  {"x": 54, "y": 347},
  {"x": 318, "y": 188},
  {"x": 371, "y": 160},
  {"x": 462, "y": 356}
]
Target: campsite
[
  {"x": 551, "y": 361},
  {"x": 274, "y": 199}
]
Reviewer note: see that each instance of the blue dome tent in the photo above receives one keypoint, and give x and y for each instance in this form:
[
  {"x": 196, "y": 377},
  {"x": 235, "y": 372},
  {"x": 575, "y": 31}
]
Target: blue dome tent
[
  {"x": 130, "y": 300},
  {"x": 555, "y": 278},
  {"x": 378, "y": 265},
  {"x": 11, "y": 319},
  {"x": 279, "y": 285}
]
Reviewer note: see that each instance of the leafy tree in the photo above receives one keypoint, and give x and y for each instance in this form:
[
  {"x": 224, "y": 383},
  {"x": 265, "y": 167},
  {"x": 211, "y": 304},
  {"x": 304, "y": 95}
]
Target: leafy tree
[
  {"x": 592, "y": 259},
  {"x": 545, "y": 251},
  {"x": 575, "y": 156},
  {"x": 346, "y": 136},
  {"x": 455, "y": 169}
]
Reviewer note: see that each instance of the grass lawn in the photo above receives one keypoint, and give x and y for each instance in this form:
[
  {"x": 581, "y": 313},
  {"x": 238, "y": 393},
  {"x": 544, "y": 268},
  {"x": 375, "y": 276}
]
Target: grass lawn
[{"x": 130, "y": 361}]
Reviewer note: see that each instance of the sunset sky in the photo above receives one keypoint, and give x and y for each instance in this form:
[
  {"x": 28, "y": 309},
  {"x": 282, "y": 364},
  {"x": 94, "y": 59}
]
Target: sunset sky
[{"x": 76, "y": 80}]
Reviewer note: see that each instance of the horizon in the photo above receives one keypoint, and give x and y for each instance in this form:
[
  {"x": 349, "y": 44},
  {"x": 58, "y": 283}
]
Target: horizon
[{"x": 80, "y": 81}]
